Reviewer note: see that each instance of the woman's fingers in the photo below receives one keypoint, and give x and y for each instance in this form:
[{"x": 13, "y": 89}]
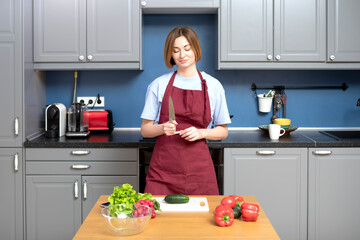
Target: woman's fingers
[
  {"x": 191, "y": 134},
  {"x": 170, "y": 128}
]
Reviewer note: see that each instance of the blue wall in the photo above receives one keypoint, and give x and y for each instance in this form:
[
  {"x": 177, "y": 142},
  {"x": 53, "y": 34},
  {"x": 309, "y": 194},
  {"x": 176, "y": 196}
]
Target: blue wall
[{"x": 124, "y": 91}]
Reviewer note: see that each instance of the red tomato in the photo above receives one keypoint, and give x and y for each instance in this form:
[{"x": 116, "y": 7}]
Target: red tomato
[{"x": 228, "y": 201}]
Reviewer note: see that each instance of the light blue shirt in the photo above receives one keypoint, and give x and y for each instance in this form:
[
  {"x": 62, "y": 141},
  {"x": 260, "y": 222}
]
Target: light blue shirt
[{"x": 216, "y": 92}]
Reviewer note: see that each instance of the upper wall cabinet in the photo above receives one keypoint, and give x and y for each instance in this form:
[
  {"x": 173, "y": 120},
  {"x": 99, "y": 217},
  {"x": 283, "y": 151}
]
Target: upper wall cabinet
[
  {"x": 11, "y": 74},
  {"x": 271, "y": 31},
  {"x": 86, "y": 34},
  {"x": 343, "y": 31},
  {"x": 179, "y": 6}
]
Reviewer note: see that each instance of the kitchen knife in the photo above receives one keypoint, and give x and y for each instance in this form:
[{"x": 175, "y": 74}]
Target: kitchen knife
[
  {"x": 171, "y": 110},
  {"x": 172, "y": 113}
]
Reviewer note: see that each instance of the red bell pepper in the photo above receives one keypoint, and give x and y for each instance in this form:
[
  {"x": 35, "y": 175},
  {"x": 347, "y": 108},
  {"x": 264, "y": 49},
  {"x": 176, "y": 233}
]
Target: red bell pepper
[
  {"x": 249, "y": 211},
  {"x": 224, "y": 216},
  {"x": 228, "y": 201},
  {"x": 238, "y": 199}
]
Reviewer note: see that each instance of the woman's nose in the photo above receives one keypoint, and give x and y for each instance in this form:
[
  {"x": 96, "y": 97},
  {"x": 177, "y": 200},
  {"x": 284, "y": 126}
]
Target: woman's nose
[{"x": 182, "y": 53}]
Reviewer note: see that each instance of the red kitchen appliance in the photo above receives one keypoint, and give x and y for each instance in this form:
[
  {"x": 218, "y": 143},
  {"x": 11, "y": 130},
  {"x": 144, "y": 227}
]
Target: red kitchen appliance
[{"x": 100, "y": 121}]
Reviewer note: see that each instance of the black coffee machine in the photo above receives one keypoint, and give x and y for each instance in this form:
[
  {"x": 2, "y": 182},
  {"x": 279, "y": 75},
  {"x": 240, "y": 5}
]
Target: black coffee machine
[{"x": 55, "y": 120}]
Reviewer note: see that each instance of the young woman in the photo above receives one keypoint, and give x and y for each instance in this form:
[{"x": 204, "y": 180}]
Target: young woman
[{"x": 181, "y": 162}]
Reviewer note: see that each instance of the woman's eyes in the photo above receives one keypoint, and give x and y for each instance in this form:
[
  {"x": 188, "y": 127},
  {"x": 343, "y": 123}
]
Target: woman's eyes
[{"x": 186, "y": 48}]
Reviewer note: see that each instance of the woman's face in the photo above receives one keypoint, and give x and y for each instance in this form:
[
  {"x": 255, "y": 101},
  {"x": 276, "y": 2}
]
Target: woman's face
[{"x": 183, "y": 54}]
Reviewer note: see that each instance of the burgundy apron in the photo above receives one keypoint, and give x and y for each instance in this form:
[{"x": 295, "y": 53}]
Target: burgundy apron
[{"x": 178, "y": 166}]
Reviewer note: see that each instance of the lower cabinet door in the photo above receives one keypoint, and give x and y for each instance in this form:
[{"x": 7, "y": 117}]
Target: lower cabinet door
[
  {"x": 277, "y": 178},
  {"x": 334, "y": 193},
  {"x": 11, "y": 207},
  {"x": 95, "y": 186},
  {"x": 53, "y": 207}
]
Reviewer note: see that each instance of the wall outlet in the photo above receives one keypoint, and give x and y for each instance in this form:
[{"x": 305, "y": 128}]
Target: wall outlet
[{"x": 89, "y": 101}]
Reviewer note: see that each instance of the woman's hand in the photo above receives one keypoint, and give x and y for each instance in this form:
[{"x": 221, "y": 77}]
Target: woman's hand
[
  {"x": 192, "y": 134},
  {"x": 170, "y": 128}
]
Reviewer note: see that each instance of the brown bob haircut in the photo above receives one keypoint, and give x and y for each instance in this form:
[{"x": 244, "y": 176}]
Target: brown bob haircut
[{"x": 169, "y": 44}]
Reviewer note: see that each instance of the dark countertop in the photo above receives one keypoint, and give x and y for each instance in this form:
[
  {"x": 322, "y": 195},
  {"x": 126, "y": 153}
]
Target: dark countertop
[{"x": 236, "y": 139}]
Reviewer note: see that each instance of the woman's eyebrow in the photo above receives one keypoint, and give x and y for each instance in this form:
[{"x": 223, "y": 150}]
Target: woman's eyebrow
[{"x": 188, "y": 44}]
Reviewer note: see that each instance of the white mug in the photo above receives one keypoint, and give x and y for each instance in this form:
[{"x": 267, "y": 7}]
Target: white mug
[{"x": 275, "y": 131}]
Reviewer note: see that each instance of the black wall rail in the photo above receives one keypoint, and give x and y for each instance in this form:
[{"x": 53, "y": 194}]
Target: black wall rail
[{"x": 344, "y": 86}]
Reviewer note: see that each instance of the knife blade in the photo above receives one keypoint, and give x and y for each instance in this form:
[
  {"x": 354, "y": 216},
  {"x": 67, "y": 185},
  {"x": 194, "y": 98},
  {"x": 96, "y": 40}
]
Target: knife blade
[
  {"x": 171, "y": 110},
  {"x": 172, "y": 113}
]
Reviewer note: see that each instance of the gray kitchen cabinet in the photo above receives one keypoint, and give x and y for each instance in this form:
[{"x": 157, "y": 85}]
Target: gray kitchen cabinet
[
  {"x": 76, "y": 35},
  {"x": 179, "y": 6},
  {"x": 53, "y": 206},
  {"x": 11, "y": 74},
  {"x": 271, "y": 31},
  {"x": 11, "y": 207},
  {"x": 72, "y": 180},
  {"x": 334, "y": 193},
  {"x": 343, "y": 31},
  {"x": 278, "y": 179}
]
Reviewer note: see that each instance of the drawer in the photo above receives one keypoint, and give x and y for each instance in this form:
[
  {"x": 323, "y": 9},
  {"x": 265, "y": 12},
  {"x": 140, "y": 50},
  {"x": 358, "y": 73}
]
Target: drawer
[
  {"x": 79, "y": 154},
  {"x": 81, "y": 168}
]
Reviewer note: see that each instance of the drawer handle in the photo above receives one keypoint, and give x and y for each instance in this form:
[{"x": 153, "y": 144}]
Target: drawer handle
[
  {"x": 265, "y": 152},
  {"x": 322, "y": 152},
  {"x": 80, "y": 166},
  {"x": 80, "y": 152},
  {"x": 76, "y": 189},
  {"x": 85, "y": 190}
]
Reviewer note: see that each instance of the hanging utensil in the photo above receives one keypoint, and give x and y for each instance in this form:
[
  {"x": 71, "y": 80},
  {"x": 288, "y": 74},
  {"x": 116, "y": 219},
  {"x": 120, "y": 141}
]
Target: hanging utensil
[
  {"x": 283, "y": 100},
  {"x": 75, "y": 85}
]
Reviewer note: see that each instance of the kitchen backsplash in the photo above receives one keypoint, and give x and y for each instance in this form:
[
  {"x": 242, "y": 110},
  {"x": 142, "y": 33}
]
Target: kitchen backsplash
[{"x": 125, "y": 91}]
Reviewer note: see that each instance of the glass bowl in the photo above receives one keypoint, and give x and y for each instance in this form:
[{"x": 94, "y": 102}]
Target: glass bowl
[{"x": 126, "y": 220}]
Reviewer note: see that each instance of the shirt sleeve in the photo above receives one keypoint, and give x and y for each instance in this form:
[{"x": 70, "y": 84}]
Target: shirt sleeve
[
  {"x": 221, "y": 112},
  {"x": 152, "y": 105}
]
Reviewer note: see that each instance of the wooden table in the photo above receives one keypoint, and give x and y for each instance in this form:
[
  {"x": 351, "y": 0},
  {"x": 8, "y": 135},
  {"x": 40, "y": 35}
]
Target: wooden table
[{"x": 182, "y": 225}]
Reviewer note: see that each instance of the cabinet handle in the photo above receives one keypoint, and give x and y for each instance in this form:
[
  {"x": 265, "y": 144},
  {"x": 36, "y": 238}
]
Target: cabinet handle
[
  {"x": 277, "y": 57},
  {"x": 85, "y": 190},
  {"x": 17, "y": 126},
  {"x": 321, "y": 152},
  {"x": 16, "y": 162},
  {"x": 90, "y": 57},
  {"x": 80, "y": 166},
  {"x": 80, "y": 152},
  {"x": 265, "y": 152},
  {"x": 81, "y": 58},
  {"x": 143, "y": 3},
  {"x": 332, "y": 57},
  {"x": 76, "y": 189},
  {"x": 269, "y": 57}
]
